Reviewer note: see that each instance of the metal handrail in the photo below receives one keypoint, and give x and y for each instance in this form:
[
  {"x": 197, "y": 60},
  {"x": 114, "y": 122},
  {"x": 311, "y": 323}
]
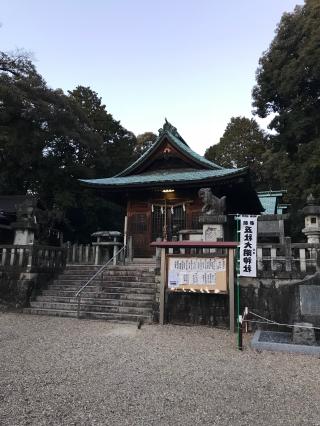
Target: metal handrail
[{"x": 78, "y": 294}]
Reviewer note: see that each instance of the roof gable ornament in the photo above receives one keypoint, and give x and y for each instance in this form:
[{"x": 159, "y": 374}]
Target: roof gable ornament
[{"x": 168, "y": 127}]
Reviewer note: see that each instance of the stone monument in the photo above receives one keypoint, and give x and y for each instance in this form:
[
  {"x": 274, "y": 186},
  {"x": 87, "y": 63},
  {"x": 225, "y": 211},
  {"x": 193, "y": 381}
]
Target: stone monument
[{"x": 213, "y": 217}]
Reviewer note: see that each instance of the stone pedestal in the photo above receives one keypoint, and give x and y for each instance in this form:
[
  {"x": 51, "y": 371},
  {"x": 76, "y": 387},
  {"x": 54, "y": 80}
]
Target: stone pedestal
[
  {"x": 24, "y": 233},
  {"x": 212, "y": 227},
  {"x": 303, "y": 334}
]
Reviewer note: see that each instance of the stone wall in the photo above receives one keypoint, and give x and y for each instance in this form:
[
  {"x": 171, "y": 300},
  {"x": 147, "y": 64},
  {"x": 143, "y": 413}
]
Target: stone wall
[
  {"x": 18, "y": 288},
  {"x": 156, "y": 303},
  {"x": 278, "y": 299},
  {"x": 273, "y": 298},
  {"x": 197, "y": 309},
  {"x": 192, "y": 308}
]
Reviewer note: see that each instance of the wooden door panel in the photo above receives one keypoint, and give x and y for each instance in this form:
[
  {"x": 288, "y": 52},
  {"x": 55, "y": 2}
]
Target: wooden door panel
[{"x": 139, "y": 229}]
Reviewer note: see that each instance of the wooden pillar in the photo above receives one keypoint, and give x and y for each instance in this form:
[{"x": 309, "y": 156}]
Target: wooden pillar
[
  {"x": 231, "y": 288},
  {"x": 162, "y": 286}
]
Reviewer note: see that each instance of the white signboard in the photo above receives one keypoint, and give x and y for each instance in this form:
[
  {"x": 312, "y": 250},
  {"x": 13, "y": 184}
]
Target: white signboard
[
  {"x": 248, "y": 246},
  {"x": 197, "y": 273}
]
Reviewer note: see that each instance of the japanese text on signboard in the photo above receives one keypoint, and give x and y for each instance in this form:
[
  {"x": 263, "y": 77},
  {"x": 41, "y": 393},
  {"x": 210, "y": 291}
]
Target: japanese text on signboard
[
  {"x": 197, "y": 273},
  {"x": 248, "y": 246}
]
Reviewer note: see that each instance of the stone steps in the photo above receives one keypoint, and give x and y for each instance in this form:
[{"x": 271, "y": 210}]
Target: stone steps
[
  {"x": 89, "y": 315},
  {"x": 74, "y": 285},
  {"x": 92, "y": 306},
  {"x": 125, "y": 270},
  {"x": 126, "y": 293},
  {"x": 106, "y": 278},
  {"x": 98, "y": 301},
  {"x": 144, "y": 297},
  {"x": 115, "y": 290},
  {"x": 107, "y": 288}
]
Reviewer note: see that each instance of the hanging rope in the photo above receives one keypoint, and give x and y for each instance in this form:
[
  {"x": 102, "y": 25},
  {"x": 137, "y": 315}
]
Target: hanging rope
[{"x": 268, "y": 321}]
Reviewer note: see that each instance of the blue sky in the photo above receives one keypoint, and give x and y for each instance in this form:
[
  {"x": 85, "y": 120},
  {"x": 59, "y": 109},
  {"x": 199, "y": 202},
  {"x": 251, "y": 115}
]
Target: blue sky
[{"x": 191, "y": 61}]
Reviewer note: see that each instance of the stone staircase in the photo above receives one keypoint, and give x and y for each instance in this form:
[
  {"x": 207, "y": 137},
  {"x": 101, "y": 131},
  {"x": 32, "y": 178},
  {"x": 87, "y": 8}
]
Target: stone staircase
[{"x": 121, "y": 293}]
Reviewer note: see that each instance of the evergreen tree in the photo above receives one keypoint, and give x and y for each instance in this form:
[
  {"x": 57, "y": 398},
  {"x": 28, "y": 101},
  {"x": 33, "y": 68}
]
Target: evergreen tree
[
  {"x": 288, "y": 90},
  {"x": 243, "y": 144},
  {"x": 49, "y": 140}
]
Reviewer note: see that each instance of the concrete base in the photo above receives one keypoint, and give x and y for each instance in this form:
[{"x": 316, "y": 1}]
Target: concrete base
[{"x": 261, "y": 344}]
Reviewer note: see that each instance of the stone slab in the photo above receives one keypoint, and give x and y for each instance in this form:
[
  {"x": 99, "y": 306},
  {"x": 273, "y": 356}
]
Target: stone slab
[
  {"x": 309, "y": 300},
  {"x": 303, "y": 334},
  {"x": 213, "y": 232},
  {"x": 282, "y": 347}
]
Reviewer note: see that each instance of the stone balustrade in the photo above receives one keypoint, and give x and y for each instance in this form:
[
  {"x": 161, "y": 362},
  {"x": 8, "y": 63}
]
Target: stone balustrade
[
  {"x": 287, "y": 260},
  {"x": 32, "y": 258},
  {"x": 281, "y": 260},
  {"x": 80, "y": 254}
]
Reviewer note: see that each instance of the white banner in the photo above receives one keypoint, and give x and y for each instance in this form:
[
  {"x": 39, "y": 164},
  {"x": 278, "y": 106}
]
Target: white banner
[{"x": 248, "y": 246}]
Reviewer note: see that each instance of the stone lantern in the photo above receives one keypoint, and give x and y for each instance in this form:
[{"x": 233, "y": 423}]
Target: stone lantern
[
  {"x": 25, "y": 226},
  {"x": 311, "y": 213}
]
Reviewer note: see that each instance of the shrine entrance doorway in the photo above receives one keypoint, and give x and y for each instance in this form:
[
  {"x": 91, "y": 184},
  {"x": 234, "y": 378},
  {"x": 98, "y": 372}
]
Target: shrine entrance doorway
[{"x": 167, "y": 220}]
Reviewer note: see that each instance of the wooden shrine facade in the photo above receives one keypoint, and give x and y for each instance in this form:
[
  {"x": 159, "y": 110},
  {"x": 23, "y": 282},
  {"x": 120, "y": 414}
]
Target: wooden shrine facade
[
  {"x": 160, "y": 191},
  {"x": 161, "y": 215}
]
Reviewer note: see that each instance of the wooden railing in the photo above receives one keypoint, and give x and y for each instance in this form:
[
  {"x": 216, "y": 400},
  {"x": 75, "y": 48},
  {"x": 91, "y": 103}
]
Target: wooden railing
[{"x": 32, "y": 258}]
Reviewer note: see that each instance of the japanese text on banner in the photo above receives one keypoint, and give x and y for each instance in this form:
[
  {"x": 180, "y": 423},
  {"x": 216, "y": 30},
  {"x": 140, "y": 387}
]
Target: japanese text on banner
[{"x": 248, "y": 246}]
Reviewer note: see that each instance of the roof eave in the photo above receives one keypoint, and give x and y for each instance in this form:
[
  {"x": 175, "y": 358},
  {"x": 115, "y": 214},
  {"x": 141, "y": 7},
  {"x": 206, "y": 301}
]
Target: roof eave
[{"x": 171, "y": 183}]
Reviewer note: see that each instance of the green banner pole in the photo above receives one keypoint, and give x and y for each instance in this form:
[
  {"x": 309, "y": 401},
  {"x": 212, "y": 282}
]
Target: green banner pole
[{"x": 239, "y": 325}]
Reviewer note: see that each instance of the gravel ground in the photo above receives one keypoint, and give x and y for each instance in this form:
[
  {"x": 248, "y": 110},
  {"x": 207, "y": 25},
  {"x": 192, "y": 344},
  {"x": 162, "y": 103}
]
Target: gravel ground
[{"x": 61, "y": 371}]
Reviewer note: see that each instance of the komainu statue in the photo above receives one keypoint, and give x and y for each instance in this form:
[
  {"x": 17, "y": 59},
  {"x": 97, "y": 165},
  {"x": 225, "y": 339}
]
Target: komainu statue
[{"x": 212, "y": 205}]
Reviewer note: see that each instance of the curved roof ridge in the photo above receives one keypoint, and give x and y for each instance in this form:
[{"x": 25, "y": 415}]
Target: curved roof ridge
[
  {"x": 140, "y": 159},
  {"x": 176, "y": 139},
  {"x": 196, "y": 156}
]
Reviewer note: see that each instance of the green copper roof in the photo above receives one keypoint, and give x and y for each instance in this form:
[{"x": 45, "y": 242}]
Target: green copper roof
[
  {"x": 282, "y": 208},
  {"x": 170, "y": 132},
  {"x": 164, "y": 177},
  {"x": 269, "y": 204},
  {"x": 193, "y": 154},
  {"x": 270, "y": 200}
]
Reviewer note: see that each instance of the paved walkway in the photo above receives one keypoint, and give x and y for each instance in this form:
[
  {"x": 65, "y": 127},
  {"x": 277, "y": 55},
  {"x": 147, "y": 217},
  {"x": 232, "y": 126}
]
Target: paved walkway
[{"x": 61, "y": 371}]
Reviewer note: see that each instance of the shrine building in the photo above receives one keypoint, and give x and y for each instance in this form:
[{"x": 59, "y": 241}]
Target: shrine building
[{"x": 160, "y": 192}]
